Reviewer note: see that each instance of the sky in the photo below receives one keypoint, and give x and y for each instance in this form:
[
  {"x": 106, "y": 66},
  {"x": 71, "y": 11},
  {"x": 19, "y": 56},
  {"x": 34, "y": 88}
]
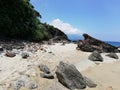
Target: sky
[{"x": 98, "y": 18}]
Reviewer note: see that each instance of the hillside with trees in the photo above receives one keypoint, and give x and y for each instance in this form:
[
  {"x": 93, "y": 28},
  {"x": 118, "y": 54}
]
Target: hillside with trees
[{"x": 19, "y": 20}]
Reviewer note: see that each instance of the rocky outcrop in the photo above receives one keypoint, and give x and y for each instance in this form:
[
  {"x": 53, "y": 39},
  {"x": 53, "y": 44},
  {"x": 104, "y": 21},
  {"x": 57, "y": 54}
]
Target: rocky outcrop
[
  {"x": 57, "y": 35},
  {"x": 95, "y": 56},
  {"x": 69, "y": 76},
  {"x": 90, "y": 44},
  {"x": 113, "y": 55}
]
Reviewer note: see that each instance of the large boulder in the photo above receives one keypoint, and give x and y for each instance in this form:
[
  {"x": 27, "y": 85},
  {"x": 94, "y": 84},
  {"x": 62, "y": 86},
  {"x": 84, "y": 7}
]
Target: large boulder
[
  {"x": 95, "y": 56},
  {"x": 69, "y": 76},
  {"x": 91, "y": 44}
]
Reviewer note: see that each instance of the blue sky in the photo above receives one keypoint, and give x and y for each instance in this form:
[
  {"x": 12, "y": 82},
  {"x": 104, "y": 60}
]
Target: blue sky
[{"x": 99, "y": 18}]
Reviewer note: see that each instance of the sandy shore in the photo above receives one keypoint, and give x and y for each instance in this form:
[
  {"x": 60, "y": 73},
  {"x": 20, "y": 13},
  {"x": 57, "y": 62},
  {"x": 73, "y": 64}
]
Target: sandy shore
[{"x": 105, "y": 74}]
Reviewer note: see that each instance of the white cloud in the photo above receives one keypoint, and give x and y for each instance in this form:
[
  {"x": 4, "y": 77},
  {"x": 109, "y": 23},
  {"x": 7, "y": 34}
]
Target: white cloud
[{"x": 65, "y": 27}]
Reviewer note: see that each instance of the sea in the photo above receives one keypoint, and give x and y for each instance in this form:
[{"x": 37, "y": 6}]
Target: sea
[
  {"x": 75, "y": 38},
  {"x": 114, "y": 43},
  {"x": 117, "y": 44}
]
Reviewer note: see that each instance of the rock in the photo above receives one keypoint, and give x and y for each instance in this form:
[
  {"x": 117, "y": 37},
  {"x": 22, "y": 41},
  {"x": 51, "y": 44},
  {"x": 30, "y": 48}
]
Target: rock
[
  {"x": 1, "y": 49},
  {"x": 25, "y": 55},
  {"x": 113, "y": 55},
  {"x": 87, "y": 47},
  {"x": 8, "y": 47},
  {"x": 90, "y": 44},
  {"x": 57, "y": 35},
  {"x": 89, "y": 82},
  {"x": 63, "y": 43},
  {"x": 50, "y": 52},
  {"x": 32, "y": 85},
  {"x": 44, "y": 68},
  {"x": 50, "y": 42},
  {"x": 69, "y": 76},
  {"x": 10, "y": 54},
  {"x": 45, "y": 75},
  {"x": 16, "y": 51},
  {"x": 95, "y": 56},
  {"x": 18, "y": 84}
]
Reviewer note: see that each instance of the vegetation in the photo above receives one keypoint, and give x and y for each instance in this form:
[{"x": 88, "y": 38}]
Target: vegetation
[{"x": 19, "y": 20}]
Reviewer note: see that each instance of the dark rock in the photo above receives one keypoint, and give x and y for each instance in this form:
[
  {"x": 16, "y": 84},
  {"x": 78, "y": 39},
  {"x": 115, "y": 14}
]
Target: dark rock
[
  {"x": 59, "y": 39},
  {"x": 1, "y": 49},
  {"x": 18, "y": 84},
  {"x": 95, "y": 56},
  {"x": 50, "y": 52},
  {"x": 57, "y": 35},
  {"x": 25, "y": 55},
  {"x": 113, "y": 55},
  {"x": 90, "y": 44},
  {"x": 50, "y": 42},
  {"x": 10, "y": 54},
  {"x": 44, "y": 68},
  {"x": 8, "y": 47},
  {"x": 48, "y": 76},
  {"x": 69, "y": 76},
  {"x": 63, "y": 43},
  {"x": 89, "y": 82}
]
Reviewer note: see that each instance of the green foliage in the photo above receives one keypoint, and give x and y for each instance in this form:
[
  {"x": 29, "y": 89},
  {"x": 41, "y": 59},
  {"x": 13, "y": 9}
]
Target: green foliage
[{"x": 19, "y": 20}]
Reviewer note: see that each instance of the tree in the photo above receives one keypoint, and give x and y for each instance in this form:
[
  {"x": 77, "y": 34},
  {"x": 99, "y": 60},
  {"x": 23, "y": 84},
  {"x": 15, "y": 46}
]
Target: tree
[{"x": 18, "y": 19}]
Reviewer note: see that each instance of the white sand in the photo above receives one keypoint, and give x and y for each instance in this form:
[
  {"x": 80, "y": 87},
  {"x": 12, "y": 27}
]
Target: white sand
[{"x": 105, "y": 74}]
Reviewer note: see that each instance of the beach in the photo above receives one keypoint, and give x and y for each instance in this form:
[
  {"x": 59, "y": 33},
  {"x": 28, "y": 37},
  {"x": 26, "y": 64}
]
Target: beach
[{"x": 105, "y": 74}]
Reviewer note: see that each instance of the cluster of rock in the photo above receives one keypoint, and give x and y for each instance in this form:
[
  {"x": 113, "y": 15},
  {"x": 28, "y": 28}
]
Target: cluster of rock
[
  {"x": 67, "y": 75},
  {"x": 90, "y": 44},
  {"x": 24, "y": 81},
  {"x": 13, "y": 48},
  {"x": 96, "y": 56}
]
